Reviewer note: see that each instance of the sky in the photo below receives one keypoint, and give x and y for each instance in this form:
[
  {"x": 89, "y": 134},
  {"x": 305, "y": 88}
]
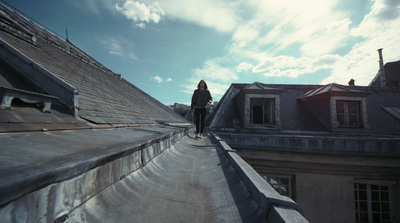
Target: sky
[{"x": 166, "y": 47}]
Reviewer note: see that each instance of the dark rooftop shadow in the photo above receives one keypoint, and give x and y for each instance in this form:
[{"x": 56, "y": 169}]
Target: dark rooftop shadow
[{"x": 248, "y": 209}]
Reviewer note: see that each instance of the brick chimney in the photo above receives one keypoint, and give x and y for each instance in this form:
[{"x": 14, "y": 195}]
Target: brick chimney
[{"x": 382, "y": 75}]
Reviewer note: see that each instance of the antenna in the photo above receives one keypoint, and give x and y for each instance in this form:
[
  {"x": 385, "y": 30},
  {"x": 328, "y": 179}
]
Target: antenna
[{"x": 66, "y": 33}]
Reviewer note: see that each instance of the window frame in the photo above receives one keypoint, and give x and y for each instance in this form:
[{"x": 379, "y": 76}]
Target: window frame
[
  {"x": 267, "y": 110},
  {"x": 279, "y": 185},
  {"x": 275, "y": 111},
  {"x": 347, "y": 114},
  {"x": 370, "y": 202},
  {"x": 361, "y": 113}
]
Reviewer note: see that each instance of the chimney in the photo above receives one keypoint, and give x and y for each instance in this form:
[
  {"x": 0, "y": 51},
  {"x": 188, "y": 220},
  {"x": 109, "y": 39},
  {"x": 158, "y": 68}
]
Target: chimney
[
  {"x": 351, "y": 82},
  {"x": 382, "y": 75}
]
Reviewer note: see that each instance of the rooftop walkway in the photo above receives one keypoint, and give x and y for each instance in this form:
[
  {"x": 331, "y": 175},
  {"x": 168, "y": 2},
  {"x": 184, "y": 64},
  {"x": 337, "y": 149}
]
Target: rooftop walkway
[
  {"x": 133, "y": 174},
  {"x": 190, "y": 182}
]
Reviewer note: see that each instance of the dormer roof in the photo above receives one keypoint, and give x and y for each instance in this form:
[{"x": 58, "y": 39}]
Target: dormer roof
[
  {"x": 258, "y": 87},
  {"x": 333, "y": 89}
]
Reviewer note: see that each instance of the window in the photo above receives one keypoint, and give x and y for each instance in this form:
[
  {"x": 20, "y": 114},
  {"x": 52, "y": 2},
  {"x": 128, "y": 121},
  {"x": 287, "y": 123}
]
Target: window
[
  {"x": 372, "y": 202},
  {"x": 348, "y": 114},
  {"x": 262, "y": 111},
  {"x": 281, "y": 184}
]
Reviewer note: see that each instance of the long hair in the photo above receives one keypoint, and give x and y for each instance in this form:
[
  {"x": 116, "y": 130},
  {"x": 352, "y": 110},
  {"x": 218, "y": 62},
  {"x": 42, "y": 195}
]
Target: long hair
[{"x": 205, "y": 85}]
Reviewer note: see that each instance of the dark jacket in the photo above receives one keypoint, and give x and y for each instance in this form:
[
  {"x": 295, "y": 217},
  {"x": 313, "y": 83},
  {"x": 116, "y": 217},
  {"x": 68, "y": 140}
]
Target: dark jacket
[{"x": 205, "y": 98}]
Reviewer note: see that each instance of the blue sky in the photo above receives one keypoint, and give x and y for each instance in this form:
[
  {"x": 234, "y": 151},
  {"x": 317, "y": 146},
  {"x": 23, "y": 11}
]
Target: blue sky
[{"x": 166, "y": 47}]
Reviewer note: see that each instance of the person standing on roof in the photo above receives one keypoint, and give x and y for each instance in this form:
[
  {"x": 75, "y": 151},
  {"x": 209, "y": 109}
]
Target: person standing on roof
[{"x": 200, "y": 99}]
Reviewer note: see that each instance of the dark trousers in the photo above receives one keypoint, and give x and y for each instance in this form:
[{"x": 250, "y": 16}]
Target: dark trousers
[{"x": 199, "y": 117}]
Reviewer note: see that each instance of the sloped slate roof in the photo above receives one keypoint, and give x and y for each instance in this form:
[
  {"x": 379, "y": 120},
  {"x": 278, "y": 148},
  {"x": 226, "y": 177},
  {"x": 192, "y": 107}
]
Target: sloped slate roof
[{"x": 104, "y": 97}]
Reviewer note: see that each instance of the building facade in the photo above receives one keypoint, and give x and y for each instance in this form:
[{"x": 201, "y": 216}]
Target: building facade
[{"x": 333, "y": 149}]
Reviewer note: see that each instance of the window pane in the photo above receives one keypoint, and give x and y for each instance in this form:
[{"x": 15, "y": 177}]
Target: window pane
[
  {"x": 348, "y": 113},
  {"x": 375, "y": 187},
  {"x": 385, "y": 207},
  {"x": 276, "y": 187},
  {"x": 281, "y": 185},
  {"x": 376, "y": 207},
  {"x": 284, "y": 191},
  {"x": 352, "y": 107},
  {"x": 339, "y": 107},
  {"x": 363, "y": 195},
  {"x": 376, "y": 217},
  {"x": 274, "y": 180},
  {"x": 267, "y": 117},
  {"x": 269, "y": 110},
  {"x": 385, "y": 196},
  {"x": 257, "y": 114},
  {"x": 363, "y": 217},
  {"x": 375, "y": 195},
  {"x": 385, "y": 218},
  {"x": 285, "y": 181},
  {"x": 262, "y": 111},
  {"x": 362, "y": 186},
  {"x": 353, "y": 120},
  {"x": 340, "y": 118},
  {"x": 363, "y": 206}
]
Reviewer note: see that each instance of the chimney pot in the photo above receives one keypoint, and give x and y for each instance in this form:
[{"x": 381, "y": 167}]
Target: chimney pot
[{"x": 382, "y": 75}]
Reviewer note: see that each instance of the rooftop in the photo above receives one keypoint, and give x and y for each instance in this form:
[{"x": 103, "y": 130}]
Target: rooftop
[{"x": 79, "y": 142}]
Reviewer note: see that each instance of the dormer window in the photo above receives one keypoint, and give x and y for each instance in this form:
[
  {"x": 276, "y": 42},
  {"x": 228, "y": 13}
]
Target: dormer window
[
  {"x": 262, "y": 111},
  {"x": 347, "y": 112},
  {"x": 340, "y": 108},
  {"x": 259, "y": 105}
]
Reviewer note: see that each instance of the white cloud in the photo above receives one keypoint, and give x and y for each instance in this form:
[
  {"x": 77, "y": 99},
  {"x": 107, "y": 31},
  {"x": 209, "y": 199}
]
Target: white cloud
[
  {"x": 118, "y": 45},
  {"x": 314, "y": 31},
  {"x": 313, "y": 25},
  {"x": 157, "y": 79},
  {"x": 140, "y": 25},
  {"x": 327, "y": 39},
  {"x": 244, "y": 66},
  {"x": 219, "y": 15},
  {"x": 288, "y": 66},
  {"x": 377, "y": 31},
  {"x": 217, "y": 77},
  {"x": 140, "y": 13},
  {"x": 245, "y": 34},
  {"x": 282, "y": 38}
]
